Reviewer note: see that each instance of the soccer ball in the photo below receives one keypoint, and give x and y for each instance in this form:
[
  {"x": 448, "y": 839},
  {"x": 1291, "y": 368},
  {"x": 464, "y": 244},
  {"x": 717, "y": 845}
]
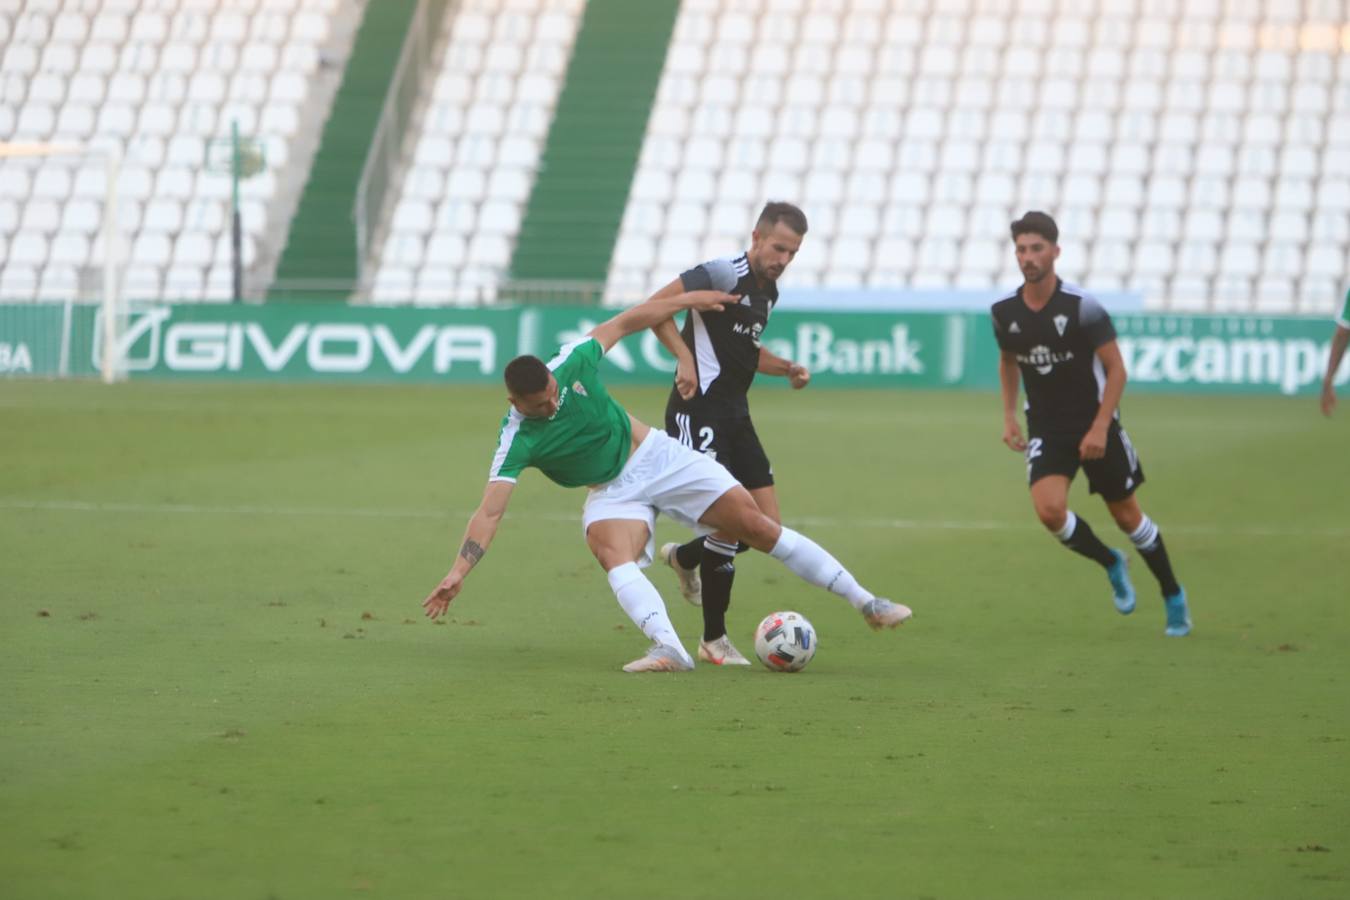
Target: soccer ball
[{"x": 785, "y": 641}]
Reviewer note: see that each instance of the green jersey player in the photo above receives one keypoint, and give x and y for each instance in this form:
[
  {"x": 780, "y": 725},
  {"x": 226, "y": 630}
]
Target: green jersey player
[
  {"x": 563, "y": 422},
  {"x": 1338, "y": 343}
]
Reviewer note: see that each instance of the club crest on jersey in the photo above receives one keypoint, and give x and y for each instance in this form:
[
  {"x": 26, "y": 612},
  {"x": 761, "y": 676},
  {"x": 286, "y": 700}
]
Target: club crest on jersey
[
  {"x": 1061, "y": 322},
  {"x": 1015, "y": 329},
  {"x": 577, "y": 386}
]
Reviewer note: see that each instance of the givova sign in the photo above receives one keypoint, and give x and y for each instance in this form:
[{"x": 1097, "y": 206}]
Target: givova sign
[{"x": 298, "y": 343}]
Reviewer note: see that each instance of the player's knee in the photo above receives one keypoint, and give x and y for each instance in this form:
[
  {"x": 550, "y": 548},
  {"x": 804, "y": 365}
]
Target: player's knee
[
  {"x": 759, "y": 531},
  {"x": 610, "y": 558},
  {"x": 607, "y": 554},
  {"x": 1127, "y": 519},
  {"x": 1052, "y": 515}
]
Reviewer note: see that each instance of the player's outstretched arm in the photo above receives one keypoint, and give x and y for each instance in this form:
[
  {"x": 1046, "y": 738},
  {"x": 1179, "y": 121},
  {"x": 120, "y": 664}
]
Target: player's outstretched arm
[
  {"x": 1338, "y": 343},
  {"x": 686, "y": 374},
  {"x": 771, "y": 364},
  {"x": 477, "y": 536},
  {"x": 645, "y": 315},
  {"x": 1010, "y": 380}
]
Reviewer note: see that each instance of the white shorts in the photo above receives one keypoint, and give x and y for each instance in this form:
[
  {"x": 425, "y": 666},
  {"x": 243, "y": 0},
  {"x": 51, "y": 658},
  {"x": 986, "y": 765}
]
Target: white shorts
[{"x": 665, "y": 476}]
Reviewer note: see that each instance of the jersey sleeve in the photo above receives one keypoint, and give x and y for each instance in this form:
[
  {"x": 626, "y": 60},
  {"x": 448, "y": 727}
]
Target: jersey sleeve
[
  {"x": 513, "y": 452},
  {"x": 999, "y": 334},
  {"x": 1095, "y": 322},
  {"x": 1343, "y": 319},
  {"x": 583, "y": 353},
  {"x": 714, "y": 275}
]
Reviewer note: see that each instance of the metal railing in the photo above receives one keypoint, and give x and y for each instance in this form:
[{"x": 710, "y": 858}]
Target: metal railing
[
  {"x": 386, "y": 144},
  {"x": 551, "y": 292}
]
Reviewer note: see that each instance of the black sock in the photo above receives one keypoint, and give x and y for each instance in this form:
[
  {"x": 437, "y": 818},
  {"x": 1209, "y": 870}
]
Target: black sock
[
  {"x": 718, "y": 571},
  {"x": 1078, "y": 536},
  {"x": 1148, "y": 541},
  {"x": 688, "y": 555}
]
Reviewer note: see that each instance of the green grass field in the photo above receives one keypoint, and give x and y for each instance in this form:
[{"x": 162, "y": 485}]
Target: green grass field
[{"x": 217, "y": 682}]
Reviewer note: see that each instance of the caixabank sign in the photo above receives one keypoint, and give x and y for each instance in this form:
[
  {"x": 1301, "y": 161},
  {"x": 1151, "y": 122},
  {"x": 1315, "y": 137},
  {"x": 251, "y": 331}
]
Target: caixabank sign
[{"x": 464, "y": 346}]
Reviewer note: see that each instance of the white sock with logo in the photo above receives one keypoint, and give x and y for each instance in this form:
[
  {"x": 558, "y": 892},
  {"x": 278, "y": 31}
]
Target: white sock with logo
[
  {"x": 813, "y": 564},
  {"x": 1145, "y": 537},
  {"x": 642, "y": 601}
]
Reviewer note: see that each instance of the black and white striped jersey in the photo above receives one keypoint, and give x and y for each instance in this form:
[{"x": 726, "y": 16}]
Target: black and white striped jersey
[
  {"x": 1056, "y": 349},
  {"x": 725, "y": 345}
]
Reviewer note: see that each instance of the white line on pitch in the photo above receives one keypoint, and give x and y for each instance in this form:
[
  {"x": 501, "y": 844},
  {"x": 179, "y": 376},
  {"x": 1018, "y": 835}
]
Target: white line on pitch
[{"x": 806, "y": 521}]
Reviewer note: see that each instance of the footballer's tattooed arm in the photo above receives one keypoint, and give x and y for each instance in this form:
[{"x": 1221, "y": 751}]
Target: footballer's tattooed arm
[
  {"x": 472, "y": 551},
  {"x": 477, "y": 538}
]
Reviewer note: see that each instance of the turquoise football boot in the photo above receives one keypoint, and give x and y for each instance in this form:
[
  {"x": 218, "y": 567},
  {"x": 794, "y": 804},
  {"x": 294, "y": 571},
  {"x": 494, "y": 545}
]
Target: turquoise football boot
[
  {"x": 1121, "y": 588},
  {"x": 1178, "y": 615}
]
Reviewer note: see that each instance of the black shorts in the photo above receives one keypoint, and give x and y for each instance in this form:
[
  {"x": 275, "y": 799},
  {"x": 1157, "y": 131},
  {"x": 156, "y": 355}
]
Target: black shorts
[
  {"x": 732, "y": 442},
  {"x": 1115, "y": 476}
]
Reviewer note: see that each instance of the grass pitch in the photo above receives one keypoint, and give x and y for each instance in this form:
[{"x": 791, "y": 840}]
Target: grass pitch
[{"x": 217, "y": 682}]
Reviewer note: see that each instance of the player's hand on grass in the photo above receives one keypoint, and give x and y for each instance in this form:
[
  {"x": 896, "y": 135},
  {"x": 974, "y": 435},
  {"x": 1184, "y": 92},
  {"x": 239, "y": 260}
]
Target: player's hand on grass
[
  {"x": 1012, "y": 436},
  {"x": 1328, "y": 398},
  {"x": 798, "y": 376},
  {"x": 1093, "y": 444},
  {"x": 439, "y": 600},
  {"x": 685, "y": 381}
]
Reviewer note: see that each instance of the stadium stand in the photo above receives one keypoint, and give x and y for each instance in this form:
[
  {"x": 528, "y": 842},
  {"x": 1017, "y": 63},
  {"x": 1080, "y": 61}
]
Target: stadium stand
[
  {"x": 575, "y": 210},
  {"x": 160, "y": 79},
  {"x": 317, "y": 263},
  {"x": 471, "y": 167},
  {"x": 1195, "y": 152}
]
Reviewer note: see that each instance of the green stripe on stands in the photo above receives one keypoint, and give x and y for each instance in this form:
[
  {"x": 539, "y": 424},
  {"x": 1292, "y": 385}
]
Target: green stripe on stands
[
  {"x": 572, "y": 219},
  {"x": 322, "y": 240}
]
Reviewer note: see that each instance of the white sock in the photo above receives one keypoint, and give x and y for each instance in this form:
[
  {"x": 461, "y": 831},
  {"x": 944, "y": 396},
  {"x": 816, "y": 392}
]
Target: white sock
[
  {"x": 1070, "y": 523},
  {"x": 1146, "y": 535},
  {"x": 812, "y": 563},
  {"x": 641, "y": 600}
]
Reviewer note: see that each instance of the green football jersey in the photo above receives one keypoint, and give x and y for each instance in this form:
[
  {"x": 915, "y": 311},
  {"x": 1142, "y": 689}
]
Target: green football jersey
[
  {"x": 586, "y": 441},
  {"x": 1343, "y": 319}
]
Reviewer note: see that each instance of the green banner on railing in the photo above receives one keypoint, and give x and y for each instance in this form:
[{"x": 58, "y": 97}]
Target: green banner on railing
[
  {"x": 853, "y": 349},
  {"x": 48, "y": 340}
]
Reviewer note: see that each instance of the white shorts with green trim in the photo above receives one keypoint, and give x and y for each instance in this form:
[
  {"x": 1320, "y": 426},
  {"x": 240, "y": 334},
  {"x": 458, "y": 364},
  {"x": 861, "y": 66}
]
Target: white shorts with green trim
[{"x": 662, "y": 476}]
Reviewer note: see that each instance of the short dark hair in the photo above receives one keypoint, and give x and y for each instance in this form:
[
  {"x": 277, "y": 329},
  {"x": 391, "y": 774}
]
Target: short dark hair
[
  {"x": 526, "y": 375},
  {"x": 776, "y": 211},
  {"x": 1035, "y": 222}
]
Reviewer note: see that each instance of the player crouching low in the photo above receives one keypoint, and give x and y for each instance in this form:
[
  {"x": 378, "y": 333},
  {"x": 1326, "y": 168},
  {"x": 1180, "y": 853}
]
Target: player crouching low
[{"x": 563, "y": 422}]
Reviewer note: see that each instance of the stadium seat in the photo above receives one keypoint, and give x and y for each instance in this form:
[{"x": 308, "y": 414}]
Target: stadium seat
[
  {"x": 184, "y": 283},
  {"x": 18, "y": 280},
  {"x": 1240, "y": 259},
  {"x": 404, "y": 249},
  {"x": 164, "y": 215}
]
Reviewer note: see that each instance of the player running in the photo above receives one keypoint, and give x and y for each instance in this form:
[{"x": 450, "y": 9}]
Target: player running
[
  {"x": 1061, "y": 341},
  {"x": 717, "y": 356},
  {"x": 563, "y": 422},
  {"x": 1338, "y": 342}
]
